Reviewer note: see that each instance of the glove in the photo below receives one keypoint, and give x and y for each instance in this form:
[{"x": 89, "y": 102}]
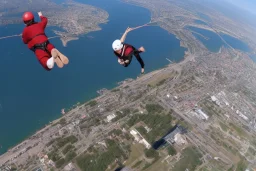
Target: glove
[
  {"x": 120, "y": 61},
  {"x": 40, "y": 13}
]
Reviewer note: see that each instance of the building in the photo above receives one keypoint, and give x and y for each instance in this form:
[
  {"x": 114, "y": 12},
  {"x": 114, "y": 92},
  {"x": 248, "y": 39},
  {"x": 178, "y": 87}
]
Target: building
[
  {"x": 5, "y": 168},
  {"x": 242, "y": 115},
  {"x": 178, "y": 138},
  {"x": 75, "y": 123},
  {"x": 214, "y": 99},
  {"x": 51, "y": 163},
  {"x": 110, "y": 117},
  {"x": 173, "y": 136},
  {"x": 39, "y": 169},
  {"x": 146, "y": 144},
  {"x": 83, "y": 116},
  {"x": 147, "y": 128},
  {"x": 126, "y": 169},
  {"x": 202, "y": 114},
  {"x": 135, "y": 135},
  {"x": 138, "y": 137},
  {"x": 69, "y": 167},
  {"x": 42, "y": 160}
]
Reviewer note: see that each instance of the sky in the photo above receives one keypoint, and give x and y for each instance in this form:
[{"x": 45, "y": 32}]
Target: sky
[
  {"x": 249, "y": 5},
  {"x": 240, "y": 10}
]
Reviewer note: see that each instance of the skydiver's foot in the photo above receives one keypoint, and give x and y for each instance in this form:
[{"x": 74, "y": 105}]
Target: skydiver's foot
[
  {"x": 142, "y": 49},
  {"x": 54, "y": 53},
  {"x": 63, "y": 58},
  {"x": 142, "y": 70},
  {"x": 58, "y": 62}
]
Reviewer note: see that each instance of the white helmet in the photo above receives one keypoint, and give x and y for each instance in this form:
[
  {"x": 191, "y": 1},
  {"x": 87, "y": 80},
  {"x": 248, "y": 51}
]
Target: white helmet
[{"x": 117, "y": 45}]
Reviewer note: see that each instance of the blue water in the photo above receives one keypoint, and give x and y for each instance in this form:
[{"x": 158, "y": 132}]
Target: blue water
[
  {"x": 236, "y": 43},
  {"x": 204, "y": 16},
  {"x": 253, "y": 57},
  {"x": 214, "y": 43},
  {"x": 200, "y": 22},
  {"x": 30, "y": 97}
]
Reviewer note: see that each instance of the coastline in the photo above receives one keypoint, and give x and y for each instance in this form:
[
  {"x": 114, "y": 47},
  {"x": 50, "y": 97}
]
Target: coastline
[
  {"x": 54, "y": 121},
  {"x": 186, "y": 58},
  {"x": 181, "y": 86},
  {"x": 67, "y": 37}
]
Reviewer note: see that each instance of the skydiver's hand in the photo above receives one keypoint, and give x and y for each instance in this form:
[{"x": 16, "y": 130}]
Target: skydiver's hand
[
  {"x": 142, "y": 70},
  {"x": 141, "y": 49},
  {"x": 120, "y": 61},
  {"x": 128, "y": 30},
  {"x": 40, "y": 13}
]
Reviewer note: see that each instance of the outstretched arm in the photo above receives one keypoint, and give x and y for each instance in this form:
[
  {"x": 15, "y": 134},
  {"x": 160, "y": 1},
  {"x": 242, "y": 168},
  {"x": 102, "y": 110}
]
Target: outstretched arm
[
  {"x": 44, "y": 20},
  {"x": 24, "y": 38},
  {"x": 125, "y": 34}
]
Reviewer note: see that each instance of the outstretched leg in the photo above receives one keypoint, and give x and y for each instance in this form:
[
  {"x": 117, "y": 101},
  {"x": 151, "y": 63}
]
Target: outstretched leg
[
  {"x": 44, "y": 62},
  {"x": 45, "y": 59},
  {"x": 137, "y": 55}
]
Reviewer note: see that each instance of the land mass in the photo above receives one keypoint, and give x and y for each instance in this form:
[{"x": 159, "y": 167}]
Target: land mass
[
  {"x": 75, "y": 19},
  {"x": 198, "y": 114}
]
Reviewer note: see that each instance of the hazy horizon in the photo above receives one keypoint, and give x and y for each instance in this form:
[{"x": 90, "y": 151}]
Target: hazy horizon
[{"x": 248, "y": 5}]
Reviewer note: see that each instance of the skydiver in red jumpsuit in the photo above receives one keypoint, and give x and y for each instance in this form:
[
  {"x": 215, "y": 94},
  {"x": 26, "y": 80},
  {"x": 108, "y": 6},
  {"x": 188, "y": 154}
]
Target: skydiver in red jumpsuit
[{"x": 34, "y": 36}]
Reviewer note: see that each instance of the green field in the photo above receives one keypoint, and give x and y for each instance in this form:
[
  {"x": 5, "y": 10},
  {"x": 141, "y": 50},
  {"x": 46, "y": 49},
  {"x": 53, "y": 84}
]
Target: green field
[
  {"x": 137, "y": 150},
  {"x": 242, "y": 165},
  {"x": 161, "y": 123},
  {"x": 238, "y": 130},
  {"x": 223, "y": 126},
  {"x": 157, "y": 166},
  {"x": 101, "y": 159},
  {"x": 190, "y": 159}
]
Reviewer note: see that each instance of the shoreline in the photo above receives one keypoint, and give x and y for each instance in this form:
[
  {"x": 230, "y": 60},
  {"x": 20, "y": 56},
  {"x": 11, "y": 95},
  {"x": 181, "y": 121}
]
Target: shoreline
[
  {"x": 67, "y": 37},
  {"x": 181, "y": 87},
  {"x": 187, "y": 57}
]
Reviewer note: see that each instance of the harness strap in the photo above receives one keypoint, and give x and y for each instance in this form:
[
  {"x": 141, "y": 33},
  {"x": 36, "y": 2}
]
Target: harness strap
[
  {"x": 42, "y": 46},
  {"x": 123, "y": 51}
]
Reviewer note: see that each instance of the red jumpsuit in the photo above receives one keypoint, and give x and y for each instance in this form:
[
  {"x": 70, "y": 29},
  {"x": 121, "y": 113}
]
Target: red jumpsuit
[{"x": 34, "y": 34}]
